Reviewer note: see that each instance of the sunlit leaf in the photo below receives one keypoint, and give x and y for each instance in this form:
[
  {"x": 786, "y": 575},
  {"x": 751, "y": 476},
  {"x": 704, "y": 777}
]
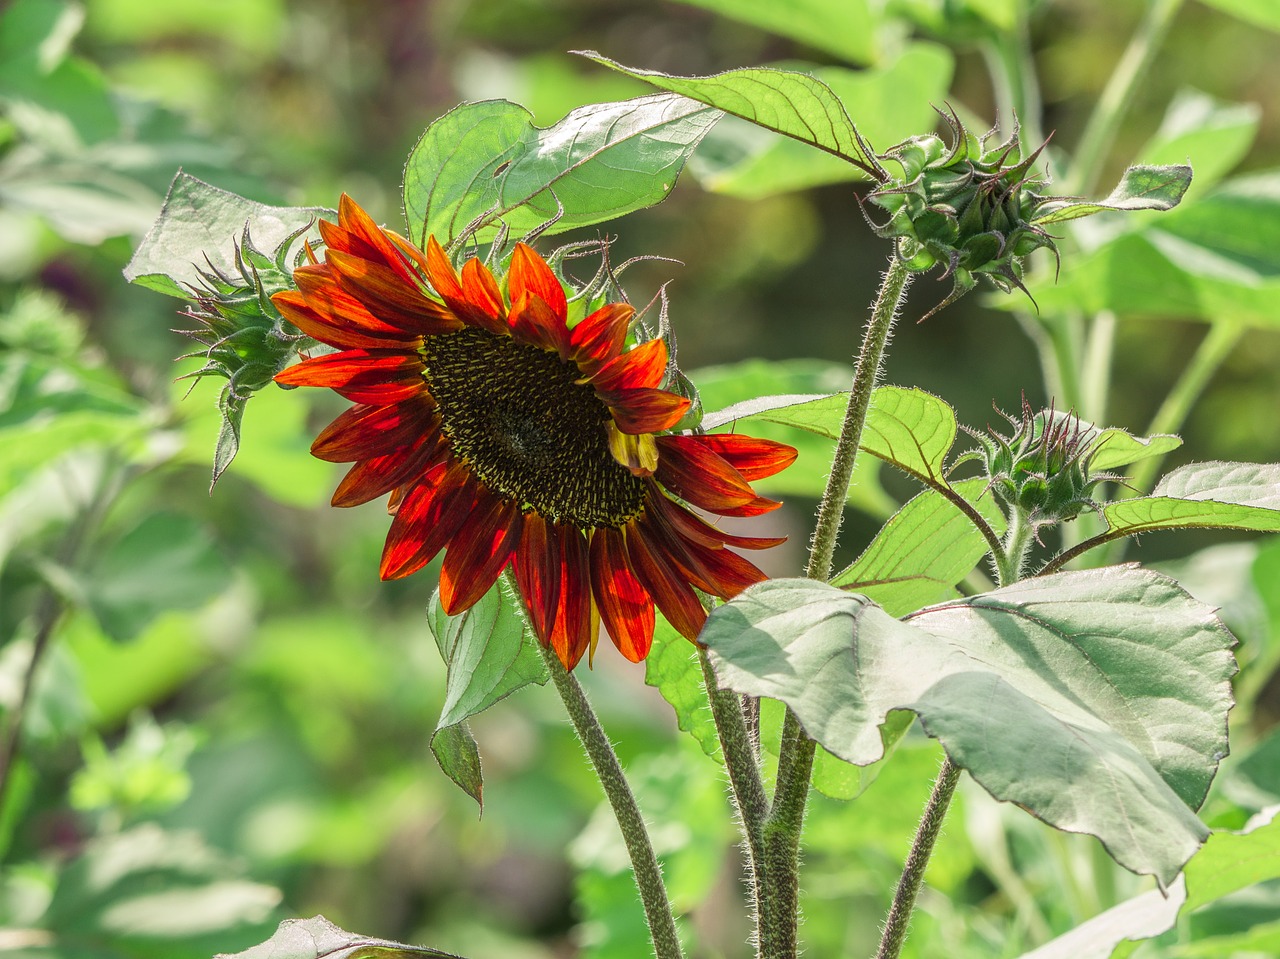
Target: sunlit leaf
[
  {"x": 318, "y": 938},
  {"x": 490, "y": 654},
  {"x": 1141, "y": 188},
  {"x": 672, "y": 668},
  {"x": 486, "y": 163},
  {"x": 200, "y": 221},
  {"x": 794, "y": 104},
  {"x": 1203, "y": 495},
  {"x": 1115, "y": 448},
  {"x": 1096, "y": 700}
]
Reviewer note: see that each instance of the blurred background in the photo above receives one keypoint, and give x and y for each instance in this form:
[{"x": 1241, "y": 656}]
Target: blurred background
[{"x": 231, "y": 719}]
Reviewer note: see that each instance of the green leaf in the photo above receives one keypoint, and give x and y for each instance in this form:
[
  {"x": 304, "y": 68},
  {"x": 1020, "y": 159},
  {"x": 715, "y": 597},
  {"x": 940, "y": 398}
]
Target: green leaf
[
  {"x": 911, "y": 429},
  {"x": 1141, "y": 917},
  {"x": 1095, "y": 700},
  {"x": 151, "y": 892},
  {"x": 485, "y": 164},
  {"x": 923, "y": 550},
  {"x": 200, "y": 221},
  {"x": 1209, "y": 134},
  {"x": 167, "y": 562},
  {"x": 846, "y": 28},
  {"x": 1203, "y": 495},
  {"x": 1115, "y": 448},
  {"x": 797, "y": 105},
  {"x": 490, "y": 653},
  {"x": 892, "y": 103},
  {"x": 1141, "y": 187},
  {"x": 1264, "y": 13},
  {"x": 318, "y": 938},
  {"x": 672, "y": 668}
]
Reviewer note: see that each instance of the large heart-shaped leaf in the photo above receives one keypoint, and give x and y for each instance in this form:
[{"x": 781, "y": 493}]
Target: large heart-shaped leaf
[
  {"x": 485, "y": 164},
  {"x": 1096, "y": 700}
]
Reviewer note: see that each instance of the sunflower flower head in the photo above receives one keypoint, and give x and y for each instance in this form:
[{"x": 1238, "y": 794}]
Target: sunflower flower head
[{"x": 507, "y": 435}]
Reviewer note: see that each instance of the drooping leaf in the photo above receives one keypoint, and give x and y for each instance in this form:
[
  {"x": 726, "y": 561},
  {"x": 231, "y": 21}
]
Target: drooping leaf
[
  {"x": 923, "y": 550},
  {"x": 486, "y": 163},
  {"x": 1203, "y": 495},
  {"x": 167, "y": 562},
  {"x": 797, "y": 105},
  {"x": 490, "y": 654},
  {"x": 199, "y": 220},
  {"x": 846, "y": 29},
  {"x": 672, "y": 668},
  {"x": 1095, "y": 700},
  {"x": 1140, "y": 188},
  {"x": 891, "y": 102},
  {"x": 318, "y": 938}
]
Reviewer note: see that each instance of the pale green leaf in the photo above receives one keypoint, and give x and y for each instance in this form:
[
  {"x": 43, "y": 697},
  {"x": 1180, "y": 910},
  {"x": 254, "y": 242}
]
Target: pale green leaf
[
  {"x": 1115, "y": 448},
  {"x": 1203, "y": 495},
  {"x": 911, "y": 429},
  {"x": 318, "y": 938},
  {"x": 1263, "y": 13},
  {"x": 672, "y": 668},
  {"x": 846, "y": 28},
  {"x": 199, "y": 226},
  {"x": 1142, "y": 187},
  {"x": 485, "y": 164},
  {"x": 797, "y": 105},
  {"x": 1096, "y": 700}
]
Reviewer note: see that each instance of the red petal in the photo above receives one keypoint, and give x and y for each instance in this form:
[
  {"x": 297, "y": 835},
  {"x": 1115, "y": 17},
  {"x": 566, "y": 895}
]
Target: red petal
[
  {"x": 720, "y": 572},
  {"x": 753, "y": 458},
  {"x": 695, "y": 473},
  {"x": 365, "y": 431},
  {"x": 645, "y": 366},
  {"x": 572, "y": 633},
  {"x": 386, "y": 295},
  {"x": 479, "y": 551},
  {"x": 479, "y": 286},
  {"x": 601, "y": 336},
  {"x": 530, "y": 274},
  {"x": 625, "y": 605},
  {"x": 360, "y": 225},
  {"x": 444, "y": 279},
  {"x": 533, "y": 322},
  {"x": 537, "y": 569},
  {"x": 644, "y": 410},
  {"x": 317, "y": 324},
  {"x": 692, "y": 527},
  {"x": 671, "y": 591},
  {"x": 428, "y": 517},
  {"x": 355, "y": 368},
  {"x": 321, "y": 289},
  {"x": 373, "y": 477},
  {"x": 383, "y": 394}
]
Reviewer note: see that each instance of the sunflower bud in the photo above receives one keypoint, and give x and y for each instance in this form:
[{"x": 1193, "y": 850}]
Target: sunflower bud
[
  {"x": 245, "y": 340},
  {"x": 969, "y": 207},
  {"x": 1042, "y": 469}
]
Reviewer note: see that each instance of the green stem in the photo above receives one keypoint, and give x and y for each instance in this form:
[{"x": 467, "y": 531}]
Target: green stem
[
  {"x": 1096, "y": 380},
  {"x": 1017, "y": 540},
  {"x": 1117, "y": 96},
  {"x": 904, "y": 898},
  {"x": 644, "y": 864},
  {"x": 1011, "y": 64},
  {"x": 738, "y": 745},
  {"x": 785, "y": 822}
]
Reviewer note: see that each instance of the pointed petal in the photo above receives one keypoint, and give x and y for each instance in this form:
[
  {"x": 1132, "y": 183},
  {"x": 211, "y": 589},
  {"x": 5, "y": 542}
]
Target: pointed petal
[
  {"x": 670, "y": 591},
  {"x": 691, "y": 527},
  {"x": 625, "y": 605},
  {"x": 388, "y": 296},
  {"x": 530, "y": 274},
  {"x": 481, "y": 289},
  {"x": 323, "y": 293},
  {"x": 371, "y": 478},
  {"x": 355, "y": 368},
  {"x": 318, "y": 325},
  {"x": 366, "y": 431},
  {"x": 601, "y": 336},
  {"x": 753, "y": 458},
  {"x": 479, "y": 551},
  {"x": 537, "y": 565},
  {"x": 359, "y": 224},
  {"x": 573, "y": 631},
  {"x": 444, "y": 280},
  {"x": 644, "y": 410},
  {"x": 695, "y": 473},
  {"x": 645, "y": 366},
  {"x": 533, "y": 322},
  {"x": 427, "y": 519},
  {"x": 720, "y": 572}
]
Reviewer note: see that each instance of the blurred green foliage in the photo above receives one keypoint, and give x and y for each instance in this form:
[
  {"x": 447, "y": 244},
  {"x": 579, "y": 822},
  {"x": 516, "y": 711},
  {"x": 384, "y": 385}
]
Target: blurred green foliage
[{"x": 231, "y": 720}]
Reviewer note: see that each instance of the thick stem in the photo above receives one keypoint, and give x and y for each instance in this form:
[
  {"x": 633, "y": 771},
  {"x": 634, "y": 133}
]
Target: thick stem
[
  {"x": 785, "y": 822},
  {"x": 904, "y": 898},
  {"x": 1117, "y": 96},
  {"x": 644, "y": 864},
  {"x": 1017, "y": 541},
  {"x": 739, "y": 747}
]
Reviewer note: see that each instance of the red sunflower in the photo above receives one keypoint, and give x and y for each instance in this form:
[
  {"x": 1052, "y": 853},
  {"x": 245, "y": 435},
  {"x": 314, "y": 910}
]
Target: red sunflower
[{"x": 504, "y": 436}]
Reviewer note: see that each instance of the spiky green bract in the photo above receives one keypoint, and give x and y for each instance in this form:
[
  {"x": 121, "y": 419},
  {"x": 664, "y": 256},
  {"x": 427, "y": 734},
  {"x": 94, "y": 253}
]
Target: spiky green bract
[
  {"x": 245, "y": 339},
  {"x": 966, "y": 206},
  {"x": 1042, "y": 469}
]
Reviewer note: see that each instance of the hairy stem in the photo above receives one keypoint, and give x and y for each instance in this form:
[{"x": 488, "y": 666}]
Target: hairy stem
[
  {"x": 644, "y": 864},
  {"x": 904, "y": 898},
  {"x": 739, "y": 747},
  {"x": 785, "y": 822},
  {"x": 1013, "y": 552}
]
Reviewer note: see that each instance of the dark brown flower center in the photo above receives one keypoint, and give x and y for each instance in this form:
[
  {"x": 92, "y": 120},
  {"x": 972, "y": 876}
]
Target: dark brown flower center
[{"x": 530, "y": 431}]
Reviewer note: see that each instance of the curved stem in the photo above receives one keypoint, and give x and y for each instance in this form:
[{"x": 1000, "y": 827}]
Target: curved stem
[
  {"x": 904, "y": 898},
  {"x": 644, "y": 864},
  {"x": 785, "y": 822},
  {"x": 1117, "y": 96}
]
